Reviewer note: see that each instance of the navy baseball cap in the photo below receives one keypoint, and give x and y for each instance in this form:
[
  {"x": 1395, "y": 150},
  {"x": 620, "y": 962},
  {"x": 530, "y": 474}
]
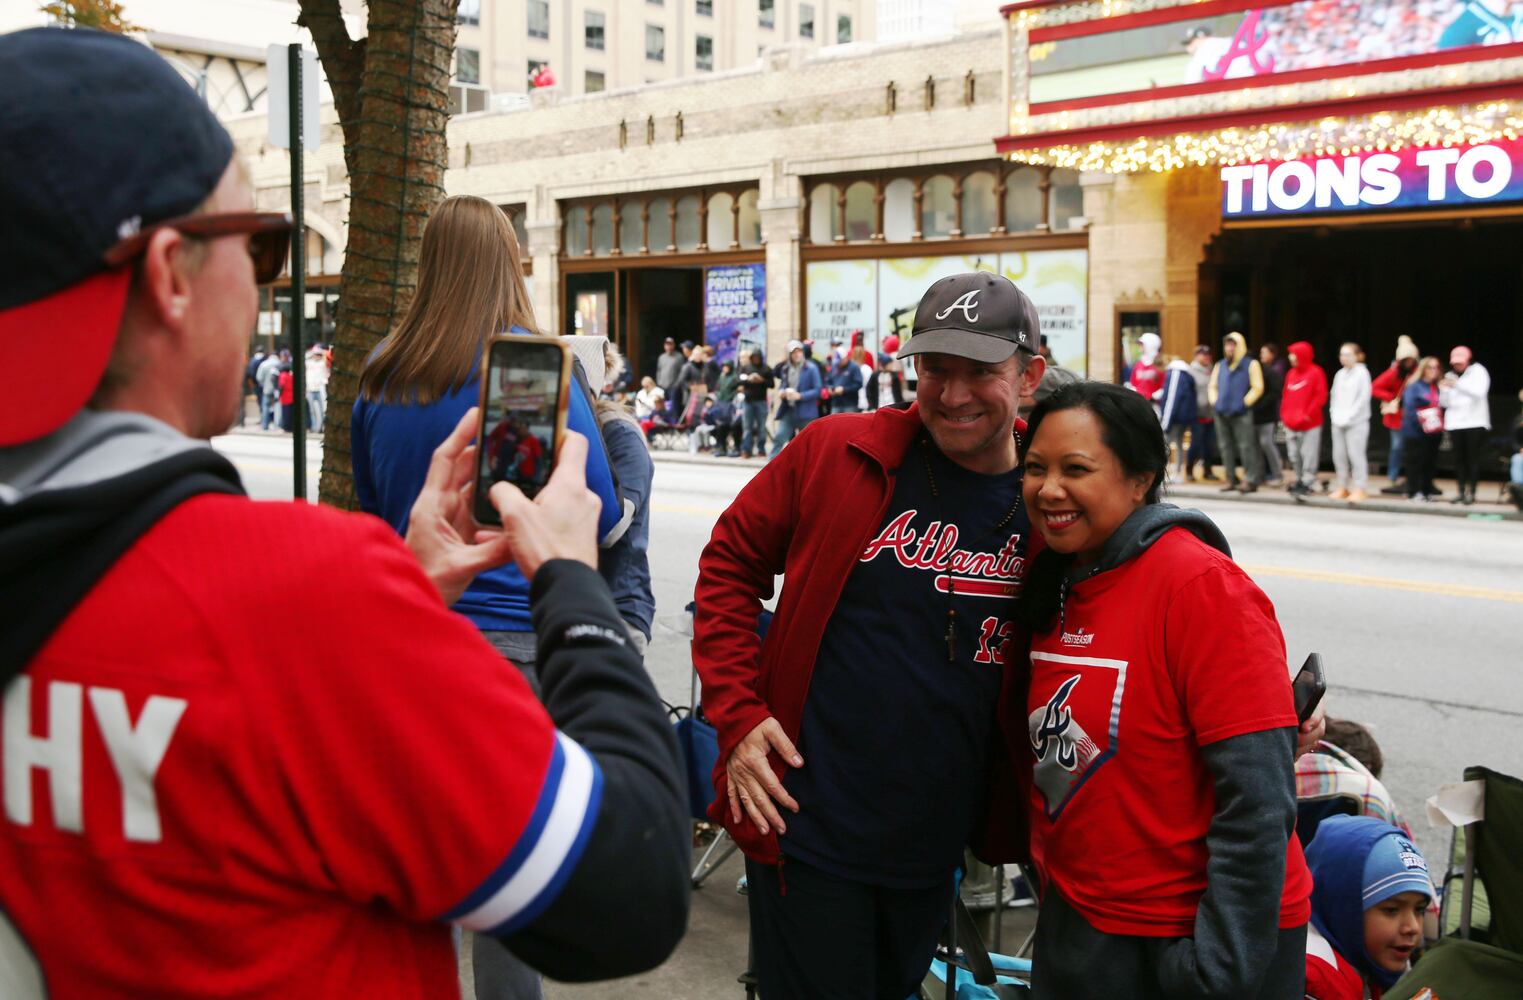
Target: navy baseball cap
[
  {"x": 978, "y": 315},
  {"x": 99, "y": 139}
]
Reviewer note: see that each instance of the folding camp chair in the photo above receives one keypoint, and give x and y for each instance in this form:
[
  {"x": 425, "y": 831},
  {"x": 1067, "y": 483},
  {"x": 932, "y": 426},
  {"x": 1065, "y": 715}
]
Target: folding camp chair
[
  {"x": 964, "y": 968},
  {"x": 1480, "y": 952}
]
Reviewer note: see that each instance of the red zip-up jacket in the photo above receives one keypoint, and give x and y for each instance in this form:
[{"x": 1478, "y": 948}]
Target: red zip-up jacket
[{"x": 808, "y": 515}]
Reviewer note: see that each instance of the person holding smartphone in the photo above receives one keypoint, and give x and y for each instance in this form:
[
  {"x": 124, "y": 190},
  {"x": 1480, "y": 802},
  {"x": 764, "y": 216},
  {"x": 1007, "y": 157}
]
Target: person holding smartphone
[
  {"x": 426, "y": 374},
  {"x": 415, "y": 388},
  {"x": 1162, "y": 799}
]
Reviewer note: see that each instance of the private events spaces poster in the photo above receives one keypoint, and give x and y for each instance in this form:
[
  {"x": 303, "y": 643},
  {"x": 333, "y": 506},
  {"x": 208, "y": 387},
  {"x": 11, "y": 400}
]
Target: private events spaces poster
[{"x": 879, "y": 296}]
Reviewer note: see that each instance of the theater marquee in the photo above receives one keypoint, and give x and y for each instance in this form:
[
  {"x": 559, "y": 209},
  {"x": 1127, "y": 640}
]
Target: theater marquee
[{"x": 1483, "y": 174}]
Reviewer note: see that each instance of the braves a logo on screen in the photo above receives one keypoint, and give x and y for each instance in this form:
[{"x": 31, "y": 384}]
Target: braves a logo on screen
[
  {"x": 1075, "y": 706},
  {"x": 958, "y": 570}
]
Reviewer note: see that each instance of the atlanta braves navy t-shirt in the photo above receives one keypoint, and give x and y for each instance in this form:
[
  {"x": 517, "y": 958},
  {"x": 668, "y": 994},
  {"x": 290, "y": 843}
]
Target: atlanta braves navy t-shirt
[{"x": 895, "y": 732}]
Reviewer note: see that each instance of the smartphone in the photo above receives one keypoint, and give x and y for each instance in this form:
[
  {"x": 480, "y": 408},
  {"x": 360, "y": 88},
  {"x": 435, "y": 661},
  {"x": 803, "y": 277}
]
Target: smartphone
[
  {"x": 1309, "y": 687},
  {"x": 525, "y": 391}
]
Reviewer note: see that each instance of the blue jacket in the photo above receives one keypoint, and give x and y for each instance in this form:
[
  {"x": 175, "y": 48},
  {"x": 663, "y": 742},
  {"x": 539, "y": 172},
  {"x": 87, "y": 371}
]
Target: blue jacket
[
  {"x": 625, "y": 565},
  {"x": 810, "y": 384},
  {"x": 846, "y": 376},
  {"x": 1178, "y": 408},
  {"x": 1418, "y": 395},
  {"x": 390, "y": 448}
]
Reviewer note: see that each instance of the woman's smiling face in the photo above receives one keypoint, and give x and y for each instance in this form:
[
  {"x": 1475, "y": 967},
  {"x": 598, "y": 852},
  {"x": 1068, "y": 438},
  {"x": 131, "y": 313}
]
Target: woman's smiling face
[{"x": 1077, "y": 491}]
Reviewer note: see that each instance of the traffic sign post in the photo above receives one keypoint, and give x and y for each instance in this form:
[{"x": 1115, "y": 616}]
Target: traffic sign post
[{"x": 293, "y": 123}]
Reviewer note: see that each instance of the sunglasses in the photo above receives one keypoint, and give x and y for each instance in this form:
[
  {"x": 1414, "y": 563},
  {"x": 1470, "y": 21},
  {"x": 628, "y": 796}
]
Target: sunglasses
[{"x": 269, "y": 236}]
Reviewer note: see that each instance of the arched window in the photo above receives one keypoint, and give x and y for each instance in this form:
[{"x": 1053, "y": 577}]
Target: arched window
[
  {"x": 822, "y": 214},
  {"x": 574, "y": 236},
  {"x": 1067, "y": 198},
  {"x": 687, "y": 223},
  {"x": 721, "y": 223},
  {"x": 660, "y": 224},
  {"x": 602, "y": 228},
  {"x": 938, "y": 209},
  {"x": 1023, "y": 200},
  {"x": 750, "y": 220},
  {"x": 629, "y": 226},
  {"x": 978, "y": 204},
  {"x": 899, "y": 210},
  {"x": 861, "y": 212}
]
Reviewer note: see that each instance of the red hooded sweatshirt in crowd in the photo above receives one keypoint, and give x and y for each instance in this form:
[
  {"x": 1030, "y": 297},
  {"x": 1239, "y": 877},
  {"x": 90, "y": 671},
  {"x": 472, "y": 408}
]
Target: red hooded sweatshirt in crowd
[
  {"x": 1305, "y": 390},
  {"x": 1387, "y": 387},
  {"x": 809, "y": 514}
]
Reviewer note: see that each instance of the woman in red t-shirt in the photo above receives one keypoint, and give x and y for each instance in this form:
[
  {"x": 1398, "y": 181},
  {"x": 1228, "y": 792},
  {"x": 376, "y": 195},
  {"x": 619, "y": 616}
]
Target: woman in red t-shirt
[{"x": 1162, "y": 729}]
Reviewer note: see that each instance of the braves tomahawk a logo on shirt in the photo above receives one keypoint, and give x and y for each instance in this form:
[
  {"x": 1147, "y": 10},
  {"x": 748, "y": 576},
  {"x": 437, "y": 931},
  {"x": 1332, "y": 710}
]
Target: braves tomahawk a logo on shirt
[{"x": 1073, "y": 731}]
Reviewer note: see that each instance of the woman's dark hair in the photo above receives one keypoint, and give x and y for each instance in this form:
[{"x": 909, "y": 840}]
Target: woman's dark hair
[
  {"x": 1406, "y": 366},
  {"x": 1130, "y": 429},
  {"x": 1272, "y": 348}
]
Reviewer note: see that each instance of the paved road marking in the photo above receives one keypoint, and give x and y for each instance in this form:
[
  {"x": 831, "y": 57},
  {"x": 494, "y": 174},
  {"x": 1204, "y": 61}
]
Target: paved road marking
[{"x": 1385, "y": 583}]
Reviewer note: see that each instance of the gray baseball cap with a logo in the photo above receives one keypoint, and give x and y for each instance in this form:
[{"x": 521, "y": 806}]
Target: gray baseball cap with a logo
[{"x": 979, "y": 316}]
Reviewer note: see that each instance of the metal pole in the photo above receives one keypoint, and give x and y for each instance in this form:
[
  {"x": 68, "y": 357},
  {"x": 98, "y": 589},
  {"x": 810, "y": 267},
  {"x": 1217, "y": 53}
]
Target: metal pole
[{"x": 298, "y": 283}]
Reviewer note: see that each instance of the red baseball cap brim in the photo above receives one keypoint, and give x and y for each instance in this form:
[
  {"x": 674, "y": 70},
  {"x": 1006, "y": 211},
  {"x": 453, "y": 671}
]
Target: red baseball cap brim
[{"x": 55, "y": 350}]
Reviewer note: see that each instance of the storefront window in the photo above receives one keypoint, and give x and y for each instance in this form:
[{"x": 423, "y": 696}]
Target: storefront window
[
  {"x": 822, "y": 214},
  {"x": 687, "y": 223},
  {"x": 899, "y": 210},
  {"x": 861, "y": 212},
  {"x": 575, "y": 238},
  {"x": 750, "y": 220},
  {"x": 660, "y": 224},
  {"x": 629, "y": 227},
  {"x": 1023, "y": 201},
  {"x": 721, "y": 222},
  {"x": 1067, "y": 198},
  {"x": 978, "y": 204},
  {"x": 602, "y": 228},
  {"x": 938, "y": 210}
]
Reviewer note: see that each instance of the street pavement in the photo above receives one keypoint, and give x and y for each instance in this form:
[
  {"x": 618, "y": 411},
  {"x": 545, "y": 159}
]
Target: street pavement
[{"x": 1419, "y": 620}]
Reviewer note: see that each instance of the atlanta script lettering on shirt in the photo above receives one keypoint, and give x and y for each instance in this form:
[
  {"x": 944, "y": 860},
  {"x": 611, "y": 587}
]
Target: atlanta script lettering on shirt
[{"x": 976, "y": 574}]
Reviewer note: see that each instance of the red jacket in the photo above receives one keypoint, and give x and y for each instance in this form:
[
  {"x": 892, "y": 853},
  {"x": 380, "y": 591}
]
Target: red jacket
[
  {"x": 1305, "y": 390},
  {"x": 808, "y": 515},
  {"x": 1386, "y": 387}
]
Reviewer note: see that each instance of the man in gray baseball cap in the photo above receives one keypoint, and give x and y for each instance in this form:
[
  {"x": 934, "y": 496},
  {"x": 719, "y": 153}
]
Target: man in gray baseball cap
[
  {"x": 974, "y": 342},
  {"x": 901, "y": 538}
]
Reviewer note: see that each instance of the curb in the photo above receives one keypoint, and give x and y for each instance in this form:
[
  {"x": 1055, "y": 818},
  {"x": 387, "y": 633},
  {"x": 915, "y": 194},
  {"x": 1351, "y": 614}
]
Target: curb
[{"x": 1441, "y": 508}]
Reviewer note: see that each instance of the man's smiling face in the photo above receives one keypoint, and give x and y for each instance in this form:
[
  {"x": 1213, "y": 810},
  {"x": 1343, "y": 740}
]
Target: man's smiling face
[{"x": 969, "y": 406}]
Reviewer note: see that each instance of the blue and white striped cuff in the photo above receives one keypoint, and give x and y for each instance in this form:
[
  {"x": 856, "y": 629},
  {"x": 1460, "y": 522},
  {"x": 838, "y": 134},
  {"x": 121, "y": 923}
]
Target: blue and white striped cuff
[{"x": 547, "y": 851}]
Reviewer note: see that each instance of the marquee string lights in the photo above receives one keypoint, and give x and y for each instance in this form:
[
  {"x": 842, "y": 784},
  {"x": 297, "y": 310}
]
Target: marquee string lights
[{"x": 1461, "y": 125}]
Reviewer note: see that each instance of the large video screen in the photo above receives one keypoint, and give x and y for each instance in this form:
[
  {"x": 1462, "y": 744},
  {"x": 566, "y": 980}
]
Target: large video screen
[{"x": 1253, "y": 46}]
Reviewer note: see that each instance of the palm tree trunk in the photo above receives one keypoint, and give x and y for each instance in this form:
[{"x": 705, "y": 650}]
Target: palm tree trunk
[{"x": 391, "y": 89}]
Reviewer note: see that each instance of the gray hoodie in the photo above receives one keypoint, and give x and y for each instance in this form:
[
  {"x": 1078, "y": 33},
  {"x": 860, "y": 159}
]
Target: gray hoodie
[{"x": 72, "y": 502}]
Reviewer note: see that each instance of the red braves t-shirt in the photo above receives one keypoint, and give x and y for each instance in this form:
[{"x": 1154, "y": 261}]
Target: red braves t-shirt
[
  {"x": 1168, "y": 652},
  {"x": 261, "y": 759},
  {"x": 1146, "y": 379}
]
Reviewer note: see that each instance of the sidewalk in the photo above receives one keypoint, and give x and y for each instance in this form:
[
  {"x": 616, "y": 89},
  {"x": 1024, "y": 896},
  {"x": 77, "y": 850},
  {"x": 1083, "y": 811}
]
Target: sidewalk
[{"x": 1483, "y": 509}]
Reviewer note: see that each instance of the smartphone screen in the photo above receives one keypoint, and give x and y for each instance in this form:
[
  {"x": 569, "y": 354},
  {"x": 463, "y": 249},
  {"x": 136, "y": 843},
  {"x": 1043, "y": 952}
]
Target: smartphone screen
[{"x": 523, "y": 416}]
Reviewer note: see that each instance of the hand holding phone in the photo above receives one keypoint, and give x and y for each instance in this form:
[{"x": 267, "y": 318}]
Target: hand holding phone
[
  {"x": 1309, "y": 687},
  {"x": 525, "y": 393},
  {"x": 561, "y": 523}
]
